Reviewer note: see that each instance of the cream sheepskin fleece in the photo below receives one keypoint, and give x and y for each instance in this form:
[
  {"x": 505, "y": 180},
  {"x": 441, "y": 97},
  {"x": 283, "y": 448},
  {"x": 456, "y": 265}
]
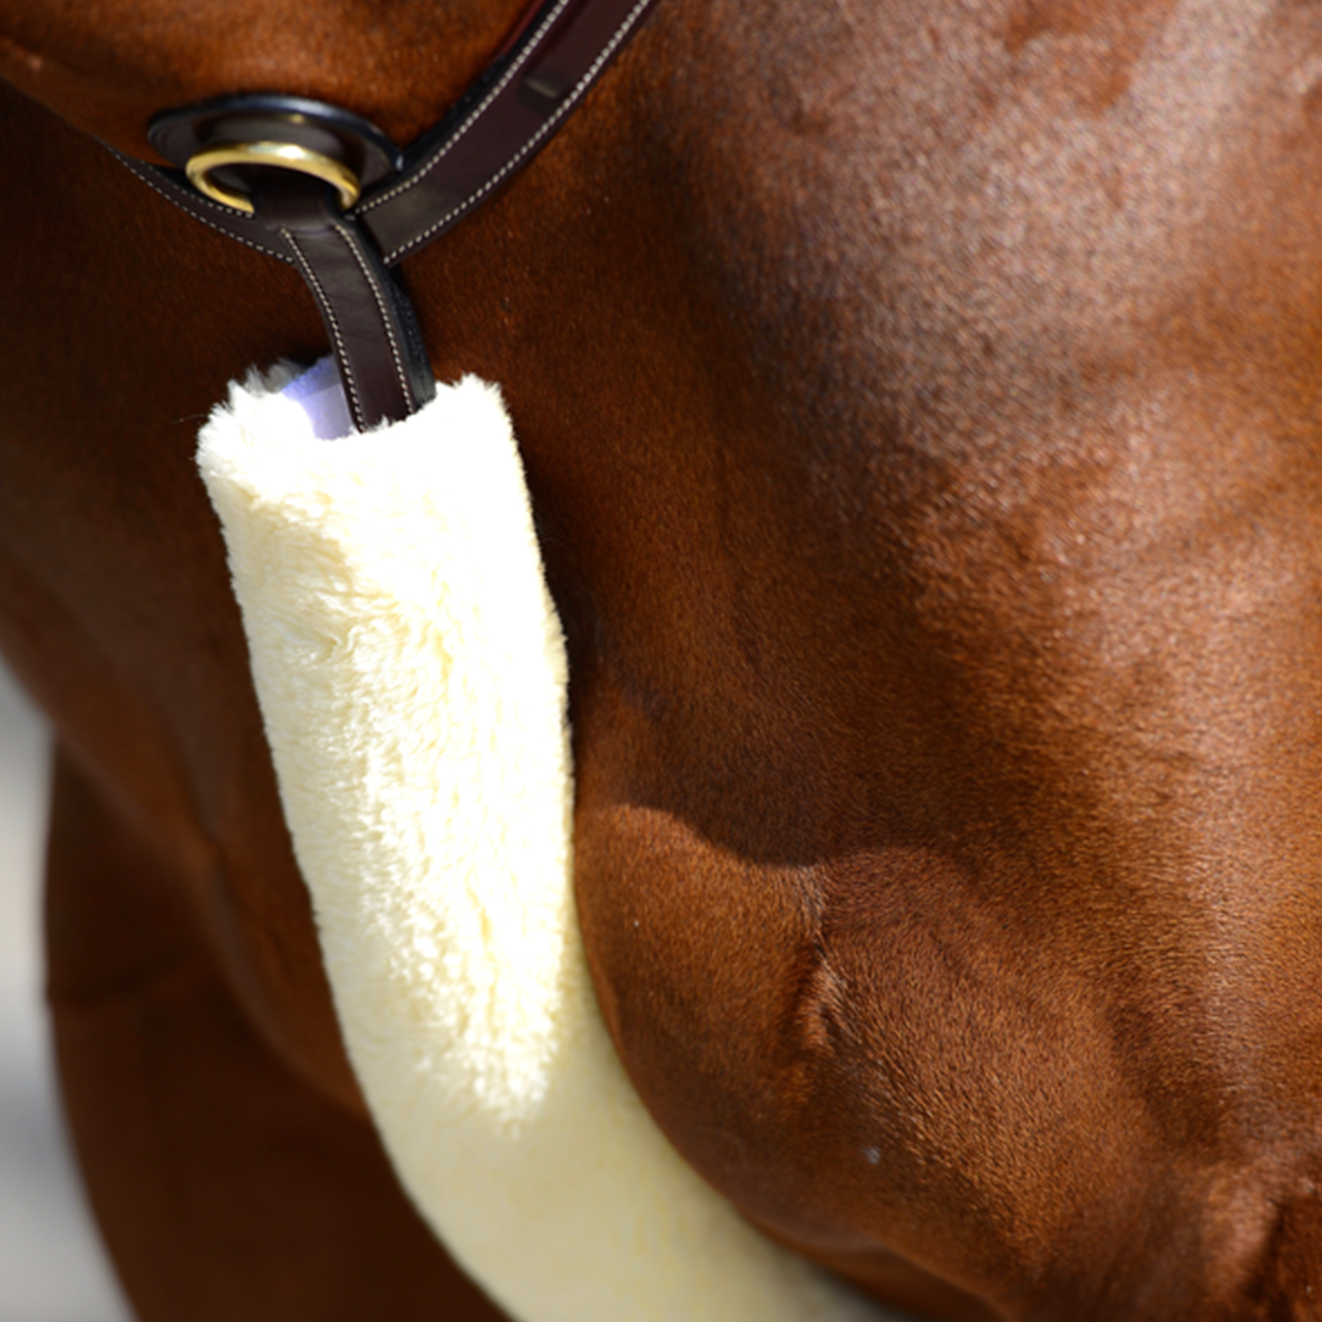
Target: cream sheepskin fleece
[{"x": 411, "y": 672}]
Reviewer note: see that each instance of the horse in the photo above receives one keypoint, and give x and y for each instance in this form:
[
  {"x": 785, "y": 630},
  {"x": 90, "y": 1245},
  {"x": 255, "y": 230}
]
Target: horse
[{"x": 920, "y": 408}]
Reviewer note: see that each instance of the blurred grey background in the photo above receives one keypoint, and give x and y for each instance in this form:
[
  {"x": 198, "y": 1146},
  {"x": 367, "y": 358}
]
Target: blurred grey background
[{"x": 52, "y": 1268}]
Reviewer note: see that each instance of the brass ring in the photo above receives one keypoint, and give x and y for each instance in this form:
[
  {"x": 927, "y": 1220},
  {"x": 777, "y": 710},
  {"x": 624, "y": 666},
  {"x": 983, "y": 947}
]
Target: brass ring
[{"x": 281, "y": 155}]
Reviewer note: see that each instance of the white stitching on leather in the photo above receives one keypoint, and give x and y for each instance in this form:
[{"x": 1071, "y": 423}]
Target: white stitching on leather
[
  {"x": 152, "y": 183},
  {"x": 145, "y": 173},
  {"x": 381, "y": 307},
  {"x": 468, "y": 123},
  {"x": 548, "y": 126},
  {"x": 340, "y": 352}
]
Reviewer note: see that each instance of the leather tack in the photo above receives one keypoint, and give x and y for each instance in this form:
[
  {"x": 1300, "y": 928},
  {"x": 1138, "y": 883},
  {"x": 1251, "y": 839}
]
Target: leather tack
[
  {"x": 370, "y": 323},
  {"x": 496, "y": 128}
]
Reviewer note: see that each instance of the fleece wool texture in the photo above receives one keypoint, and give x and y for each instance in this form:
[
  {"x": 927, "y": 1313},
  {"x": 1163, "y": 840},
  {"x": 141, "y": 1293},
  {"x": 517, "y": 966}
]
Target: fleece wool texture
[{"x": 411, "y": 672}]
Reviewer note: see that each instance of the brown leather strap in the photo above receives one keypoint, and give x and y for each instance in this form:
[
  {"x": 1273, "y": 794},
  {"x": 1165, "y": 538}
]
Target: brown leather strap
[
  {"x": 495, "y": 129},
  {"x": 370, "y": 324},
  {"x": 458, "y": 165}
]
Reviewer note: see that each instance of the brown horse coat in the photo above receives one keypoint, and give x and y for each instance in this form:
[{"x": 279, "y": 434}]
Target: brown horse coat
[{"x": 921, "y": 408}]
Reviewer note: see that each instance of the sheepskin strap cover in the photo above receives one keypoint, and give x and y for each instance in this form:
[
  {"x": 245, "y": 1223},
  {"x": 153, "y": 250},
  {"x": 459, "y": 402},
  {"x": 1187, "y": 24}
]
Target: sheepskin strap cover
[{"x": 411, "y": 673}]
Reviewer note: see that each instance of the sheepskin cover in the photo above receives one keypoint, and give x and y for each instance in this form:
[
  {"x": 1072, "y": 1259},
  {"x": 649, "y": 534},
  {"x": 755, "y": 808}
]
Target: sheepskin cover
[{"x": 411, "y": 673}]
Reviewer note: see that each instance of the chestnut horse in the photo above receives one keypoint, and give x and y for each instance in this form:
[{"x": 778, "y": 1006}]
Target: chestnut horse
[{"x": 921, "y": 404}]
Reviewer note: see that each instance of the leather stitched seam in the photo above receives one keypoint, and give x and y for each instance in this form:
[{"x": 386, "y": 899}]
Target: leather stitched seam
[
  {"x": 381, "y": 307},
  {"x": 444, "y": 150},
  {"x": 548, "y": 126},
  {"x": 182, "y": 204},
  {"x": 341, "y": 353}
]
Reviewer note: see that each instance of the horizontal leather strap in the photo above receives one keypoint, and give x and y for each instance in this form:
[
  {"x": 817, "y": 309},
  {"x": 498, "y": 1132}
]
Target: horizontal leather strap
[{"x": 496, "y": 129}]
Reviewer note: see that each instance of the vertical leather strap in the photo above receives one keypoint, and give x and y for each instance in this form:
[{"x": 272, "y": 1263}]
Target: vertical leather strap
[{"x": 370, "y": 323}]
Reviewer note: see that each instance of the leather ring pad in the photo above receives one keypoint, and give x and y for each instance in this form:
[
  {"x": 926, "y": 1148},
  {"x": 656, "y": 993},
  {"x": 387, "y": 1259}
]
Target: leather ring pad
[{"x": 181, "y": 134}]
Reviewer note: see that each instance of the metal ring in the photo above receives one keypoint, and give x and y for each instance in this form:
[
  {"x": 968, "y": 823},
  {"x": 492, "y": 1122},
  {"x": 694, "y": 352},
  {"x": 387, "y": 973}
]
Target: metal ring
[{"x": 280, "y": 155}]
